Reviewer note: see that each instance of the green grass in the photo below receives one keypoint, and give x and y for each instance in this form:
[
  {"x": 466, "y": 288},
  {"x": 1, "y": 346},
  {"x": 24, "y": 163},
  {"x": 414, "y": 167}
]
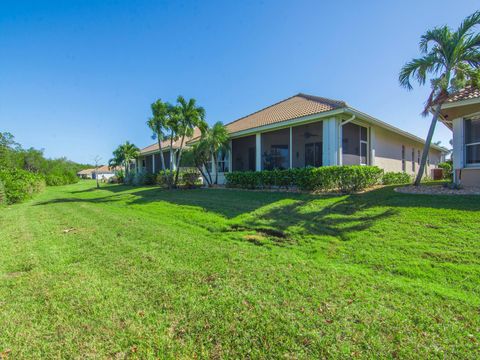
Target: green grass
[{"x": 144, "y": 273}]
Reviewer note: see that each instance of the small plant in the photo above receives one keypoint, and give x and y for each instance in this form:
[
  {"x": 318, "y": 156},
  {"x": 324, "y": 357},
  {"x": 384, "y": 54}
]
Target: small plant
[
  {"x": 149, "y": 179},
  {"x": 396, "y": 178},
  {"x": 139, "y": 178},
  {"x": 447, "y": 170},
  {"x": 190, "y": 178},
  {"x": 165, "y": 178}
]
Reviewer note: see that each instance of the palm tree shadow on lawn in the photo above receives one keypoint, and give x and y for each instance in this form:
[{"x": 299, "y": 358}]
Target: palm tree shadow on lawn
[{"x": 283, "y": 214}]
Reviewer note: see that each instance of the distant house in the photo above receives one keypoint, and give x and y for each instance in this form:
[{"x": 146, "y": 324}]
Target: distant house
[
  {"x": 85, "y": 173},
  {"x": 306, "y": 130},
  {"x": 103, "y": 172},
  {"x": 461, "y": 113}
]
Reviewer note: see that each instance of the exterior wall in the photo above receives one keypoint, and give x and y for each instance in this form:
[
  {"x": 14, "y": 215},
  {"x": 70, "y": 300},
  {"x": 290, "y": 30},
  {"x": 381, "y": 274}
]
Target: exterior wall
[
  {"x": 469, "y": 177},
  {"x": 388, "y": 152},
  {"x": 105, "y": 176},
  {"x": 464, "y": 174}
]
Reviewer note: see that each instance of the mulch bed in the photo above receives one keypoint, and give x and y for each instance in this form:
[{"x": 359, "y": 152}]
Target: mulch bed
[{"x": 438, "y": 190}]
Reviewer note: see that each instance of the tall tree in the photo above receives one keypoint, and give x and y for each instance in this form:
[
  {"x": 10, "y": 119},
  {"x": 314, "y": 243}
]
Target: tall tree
[
  {"x": 123, "y": 155},
  {"x": 189, "y": 116},
  {"x": 450, "y": 60},
  {"x": 201, "y": 157},
  {"x": 158, "y": 123},
  {"x": 218, "y": 141}
]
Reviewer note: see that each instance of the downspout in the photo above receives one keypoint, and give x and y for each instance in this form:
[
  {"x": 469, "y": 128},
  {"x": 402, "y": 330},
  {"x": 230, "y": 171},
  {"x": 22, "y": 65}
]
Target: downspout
[{"x": 340, "y": 132}]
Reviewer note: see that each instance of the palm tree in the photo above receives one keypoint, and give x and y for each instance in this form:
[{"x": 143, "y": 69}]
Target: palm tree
[
  {"x": 189, "y": 116},
  {"x": 450, "y": 59},
  {"x": 217, "y": 140},
  {"x": 201, "y": 157},
  {"x": 158, "y": 123},
  {"x": 123, "y": 155}
]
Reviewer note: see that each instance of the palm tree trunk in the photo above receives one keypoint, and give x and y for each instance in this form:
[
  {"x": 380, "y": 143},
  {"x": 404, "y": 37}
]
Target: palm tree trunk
[
  {"x": 178, "y": 159},
  {"x": 215, "y": 161},
  {"x": 209, "y": 180},
  {"x": 202, "y": 173},
  {"x": 428, "y": 141},
  {"x": 162, "y": 160}
]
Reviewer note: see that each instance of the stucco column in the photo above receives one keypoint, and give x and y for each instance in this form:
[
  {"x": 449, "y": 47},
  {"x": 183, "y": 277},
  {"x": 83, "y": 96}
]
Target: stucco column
[
  {"x": 258, "y": 152},
  {"x": 172, "y": 160},
  {"x": 458, "y": 147},
  {"x": 372, "y": 145},
  {"x": 153, "y": 163},
  {"x": 290, "y": 149},
  {"x": 331, "y": 142},
  {"x": 230, "y": 162}
]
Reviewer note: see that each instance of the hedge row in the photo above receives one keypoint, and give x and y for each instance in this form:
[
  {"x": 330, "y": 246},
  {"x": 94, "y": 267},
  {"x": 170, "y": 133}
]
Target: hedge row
[
  {"x": 188, "y": 178},
  {"x": 18, "y": 185},
  {"x": 346, "y": 179}
]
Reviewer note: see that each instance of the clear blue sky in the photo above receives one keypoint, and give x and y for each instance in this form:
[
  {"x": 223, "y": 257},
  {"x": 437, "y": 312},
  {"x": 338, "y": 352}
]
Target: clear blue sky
[{"x": 77, "y": 77}]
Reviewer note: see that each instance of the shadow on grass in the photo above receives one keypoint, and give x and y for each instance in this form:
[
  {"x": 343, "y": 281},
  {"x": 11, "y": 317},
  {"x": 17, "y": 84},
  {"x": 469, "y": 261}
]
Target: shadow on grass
[{"x": 286, "y": 213}]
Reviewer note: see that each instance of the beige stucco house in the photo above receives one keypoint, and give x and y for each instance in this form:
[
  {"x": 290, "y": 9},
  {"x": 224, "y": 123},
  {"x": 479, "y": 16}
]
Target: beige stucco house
[
  {"x": 461, "y": 113},
  {"x": 306, "y": 130}
]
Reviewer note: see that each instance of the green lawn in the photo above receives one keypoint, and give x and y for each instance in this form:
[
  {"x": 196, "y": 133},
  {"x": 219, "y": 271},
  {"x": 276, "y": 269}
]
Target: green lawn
[{"x": 142, "y": 273}]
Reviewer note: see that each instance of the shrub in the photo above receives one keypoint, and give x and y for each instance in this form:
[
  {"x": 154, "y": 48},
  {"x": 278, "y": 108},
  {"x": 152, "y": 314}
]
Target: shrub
[
  {"x": 60, "y": 179},
  {"x": 20, "y": 184},
  {"x": 129, "y": 178},
  {"x": 447, "y": 169},
  {"x": 120, "y": 176},
  {"x": 149, "y": 179},
  {"x": 3, "y": 195},
  {"x": 392, "y": 178},
  {"x": 138, "y": 178},
  {"x": 344, "y": 178},
  {"x": 165, "y": 178},
  {"x": 190, "y": 178}
]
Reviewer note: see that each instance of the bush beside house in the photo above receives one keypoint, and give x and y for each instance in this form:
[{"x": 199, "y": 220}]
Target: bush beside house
[
  {"x": 346, "y": 179},
  {"x": 396, "y": 178}
]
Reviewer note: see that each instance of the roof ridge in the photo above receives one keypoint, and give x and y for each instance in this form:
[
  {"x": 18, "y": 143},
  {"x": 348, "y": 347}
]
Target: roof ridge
[
  {"x": 331, "y": 102},
  {"x": 265, "y": 108},
  {"x": 323, "y": 99}
]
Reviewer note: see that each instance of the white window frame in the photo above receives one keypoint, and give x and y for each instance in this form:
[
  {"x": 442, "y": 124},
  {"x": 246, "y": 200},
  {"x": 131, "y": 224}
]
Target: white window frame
[
  {"x": 225, "y": 160},
  {"x": 361, "y": 154},
  {"x": 466, "y": 145}
]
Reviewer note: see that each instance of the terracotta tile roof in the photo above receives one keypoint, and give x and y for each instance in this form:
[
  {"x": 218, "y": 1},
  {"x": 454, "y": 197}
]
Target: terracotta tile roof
[
  {"x": 465, "y": 94},
  {"x": 101, "y": 169},
  {"x": 294, "y": 107},
  {"x": 166, "y": 143}
]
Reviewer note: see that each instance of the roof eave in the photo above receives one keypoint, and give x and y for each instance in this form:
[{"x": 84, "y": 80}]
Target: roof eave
[{"x": 387, "y": 126}]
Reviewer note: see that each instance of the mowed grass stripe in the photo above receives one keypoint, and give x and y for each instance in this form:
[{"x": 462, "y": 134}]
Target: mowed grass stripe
[{"x": 148, "y": 273}]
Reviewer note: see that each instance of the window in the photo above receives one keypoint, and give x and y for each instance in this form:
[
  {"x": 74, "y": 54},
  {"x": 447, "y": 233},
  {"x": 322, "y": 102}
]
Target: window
[
  {"x": 413, "y": 160},
  {"x": 354, "y": 144},
  {"x": 222, "y": 164},
  {"x": 472, "y": 141},
  {"x": 404, "y": 167},
  {"x": 313, "y": 154},
  {"x": 277, "y": 158},
  {"x": 144, "y": 164},
  {"x": 418, "y": 157}
]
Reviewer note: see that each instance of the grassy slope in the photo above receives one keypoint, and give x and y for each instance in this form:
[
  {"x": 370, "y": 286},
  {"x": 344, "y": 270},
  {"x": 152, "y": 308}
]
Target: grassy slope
[{"x": 147, "y": 272}]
